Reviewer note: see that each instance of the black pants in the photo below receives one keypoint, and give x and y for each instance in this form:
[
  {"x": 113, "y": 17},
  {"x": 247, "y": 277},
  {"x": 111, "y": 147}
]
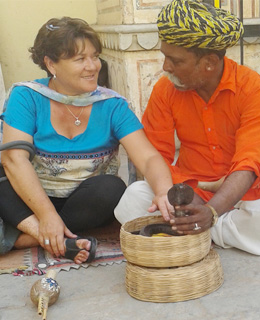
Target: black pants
[{"x": 90, "y": 205}]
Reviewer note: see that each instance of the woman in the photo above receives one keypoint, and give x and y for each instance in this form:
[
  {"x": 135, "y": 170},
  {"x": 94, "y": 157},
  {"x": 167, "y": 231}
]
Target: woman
[{"x": 76, "y": 128}]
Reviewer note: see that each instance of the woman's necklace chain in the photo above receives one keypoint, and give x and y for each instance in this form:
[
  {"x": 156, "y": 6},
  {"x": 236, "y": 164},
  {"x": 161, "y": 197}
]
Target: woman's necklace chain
[{"x": 77, "y": 121}]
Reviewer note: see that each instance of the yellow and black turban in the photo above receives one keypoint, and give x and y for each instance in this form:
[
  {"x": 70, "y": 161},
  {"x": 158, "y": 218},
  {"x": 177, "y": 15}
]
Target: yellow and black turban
[{"x": 190, "y": 24}]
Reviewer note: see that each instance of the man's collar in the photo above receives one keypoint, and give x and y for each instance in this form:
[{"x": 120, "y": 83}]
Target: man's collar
[{"x": 228, "y": 78}]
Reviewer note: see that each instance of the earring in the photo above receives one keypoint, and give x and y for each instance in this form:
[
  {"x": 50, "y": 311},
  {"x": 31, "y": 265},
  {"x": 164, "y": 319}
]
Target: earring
[
  {"x": 54, "y": 77},
  {"x": 208, "y": 68}
]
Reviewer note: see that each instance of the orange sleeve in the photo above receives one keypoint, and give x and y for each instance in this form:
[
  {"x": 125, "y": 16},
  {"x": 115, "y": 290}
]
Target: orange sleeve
[{"x": 247, "y": 154}]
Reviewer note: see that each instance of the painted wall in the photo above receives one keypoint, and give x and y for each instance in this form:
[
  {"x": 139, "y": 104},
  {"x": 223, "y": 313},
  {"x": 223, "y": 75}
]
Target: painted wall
[{"x": 20, "y": 21}]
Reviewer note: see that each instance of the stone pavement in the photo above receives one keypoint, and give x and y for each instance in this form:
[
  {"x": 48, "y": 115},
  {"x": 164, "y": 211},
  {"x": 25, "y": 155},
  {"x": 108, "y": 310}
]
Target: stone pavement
[{"x": 98, "y": 293}]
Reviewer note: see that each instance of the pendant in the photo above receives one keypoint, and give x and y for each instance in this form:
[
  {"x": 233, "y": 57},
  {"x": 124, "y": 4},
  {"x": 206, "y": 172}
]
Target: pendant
[{"x": 77, "y": 122}]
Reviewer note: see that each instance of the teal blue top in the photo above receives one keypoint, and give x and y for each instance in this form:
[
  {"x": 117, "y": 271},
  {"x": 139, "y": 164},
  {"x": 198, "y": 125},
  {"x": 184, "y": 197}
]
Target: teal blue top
[{"x": 60, "y": 159}]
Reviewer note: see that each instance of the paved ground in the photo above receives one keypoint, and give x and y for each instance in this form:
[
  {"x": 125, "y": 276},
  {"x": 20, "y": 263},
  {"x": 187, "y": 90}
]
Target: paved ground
[{"x": 98, "y": 293}]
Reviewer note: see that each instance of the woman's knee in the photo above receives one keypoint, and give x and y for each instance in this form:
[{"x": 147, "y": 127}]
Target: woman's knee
[
  {"x": 8, "y": 236},
  {"x": 104, "y": 181},
  {"x": 109, "y": 187},
  {"x": 93, "y": 202},
  {"x": 105, "y": 190}
]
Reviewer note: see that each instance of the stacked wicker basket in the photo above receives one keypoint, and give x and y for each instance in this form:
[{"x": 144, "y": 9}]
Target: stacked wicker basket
[{"x": 168, "y": 269}]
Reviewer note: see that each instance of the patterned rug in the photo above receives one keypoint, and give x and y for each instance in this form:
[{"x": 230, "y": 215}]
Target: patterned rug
[{"x": 39, "y": 261}]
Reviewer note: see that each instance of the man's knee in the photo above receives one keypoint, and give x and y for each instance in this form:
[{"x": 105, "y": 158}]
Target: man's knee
[
  {"x": 134, "y": 192},
  {"x": 134, "y": 203}
]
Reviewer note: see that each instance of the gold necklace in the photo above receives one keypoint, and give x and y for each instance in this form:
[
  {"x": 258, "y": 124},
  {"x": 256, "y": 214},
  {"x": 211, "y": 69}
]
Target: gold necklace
[{"x": 77, "y": 121}]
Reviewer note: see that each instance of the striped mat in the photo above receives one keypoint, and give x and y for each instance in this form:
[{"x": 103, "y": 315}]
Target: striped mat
[{"x": 39, "y": 261}]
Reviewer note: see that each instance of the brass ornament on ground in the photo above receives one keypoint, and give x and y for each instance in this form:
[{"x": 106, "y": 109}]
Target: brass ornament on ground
[{"x": 45, "y": 292}]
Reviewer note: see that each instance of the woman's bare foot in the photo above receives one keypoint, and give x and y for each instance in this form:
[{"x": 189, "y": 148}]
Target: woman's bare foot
[
  {"x": 82, "y": 256},
  {"x": 25, "y": 241}
]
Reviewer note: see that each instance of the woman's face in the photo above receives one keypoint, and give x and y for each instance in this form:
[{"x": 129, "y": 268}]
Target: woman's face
[{"x": 78, "y": 74}]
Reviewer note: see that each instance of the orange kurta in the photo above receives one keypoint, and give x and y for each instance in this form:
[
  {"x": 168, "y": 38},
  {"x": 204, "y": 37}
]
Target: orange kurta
[{"x": 218, "y": 137}]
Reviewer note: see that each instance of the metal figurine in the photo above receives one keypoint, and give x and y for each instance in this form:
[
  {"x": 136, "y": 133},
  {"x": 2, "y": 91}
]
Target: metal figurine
[{"x": 45, "y": 292}]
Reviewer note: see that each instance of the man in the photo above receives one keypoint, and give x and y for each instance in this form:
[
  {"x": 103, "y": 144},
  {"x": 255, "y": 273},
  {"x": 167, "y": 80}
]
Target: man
[{"x": 214, "y": 106}]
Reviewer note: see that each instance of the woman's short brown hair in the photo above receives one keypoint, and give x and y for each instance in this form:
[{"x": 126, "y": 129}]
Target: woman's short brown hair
[{"x": 57, "y": 39}]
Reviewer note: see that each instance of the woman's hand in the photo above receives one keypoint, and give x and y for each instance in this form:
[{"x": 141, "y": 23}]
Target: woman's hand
[
  {"x": 199, "y": 219},
  {"x": 160, "y": 202},
  {"x": 52, "y": 228}
]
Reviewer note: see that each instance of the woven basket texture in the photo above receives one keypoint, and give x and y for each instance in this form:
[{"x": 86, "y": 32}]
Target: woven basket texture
[
  {"x": 162, "y": 252},
  {"x": 175, "y": 284}
]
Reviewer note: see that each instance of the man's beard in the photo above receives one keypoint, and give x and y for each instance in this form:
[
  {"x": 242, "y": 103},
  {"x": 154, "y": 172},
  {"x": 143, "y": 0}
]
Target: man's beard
[{"x": 174, "y": 80}]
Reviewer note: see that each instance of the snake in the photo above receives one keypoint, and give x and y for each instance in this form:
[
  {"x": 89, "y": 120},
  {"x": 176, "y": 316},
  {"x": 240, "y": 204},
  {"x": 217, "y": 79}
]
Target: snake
[{"x": 178, "y": 194}]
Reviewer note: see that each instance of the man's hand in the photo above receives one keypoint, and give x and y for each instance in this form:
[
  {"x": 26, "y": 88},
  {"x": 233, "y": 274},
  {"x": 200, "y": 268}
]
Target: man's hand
[{"x": 199, "y": 219}]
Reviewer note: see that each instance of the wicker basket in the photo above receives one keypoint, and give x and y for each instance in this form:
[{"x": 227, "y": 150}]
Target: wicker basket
[
  {"x": 161, "y": 252},
  {"x": 175, "y": 284}
]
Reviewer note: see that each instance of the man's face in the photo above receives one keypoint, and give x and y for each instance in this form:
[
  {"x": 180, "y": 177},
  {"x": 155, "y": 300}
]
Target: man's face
[{"x": 183, "y": 67}]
